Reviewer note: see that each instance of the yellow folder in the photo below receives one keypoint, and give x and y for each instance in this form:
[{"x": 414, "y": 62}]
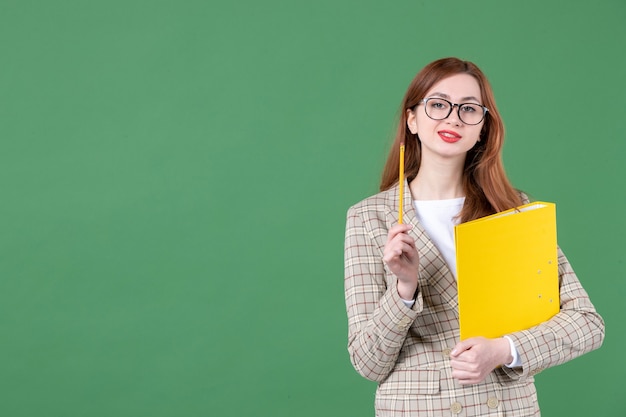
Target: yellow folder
[{"x": 507, "y": 270}]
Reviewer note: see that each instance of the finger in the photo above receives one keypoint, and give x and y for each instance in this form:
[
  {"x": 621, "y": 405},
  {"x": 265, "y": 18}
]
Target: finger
[
  {"x": 462, "y": 376},
  {"x": 412, "y": 255},
  {"x": 464, "y": 345},
  {"x": 404, "y": 238},
  {"x": 397, "y": 229},
  {"x": 403, "y": 248},
  {"x": 398, "y": 234},
  {"x": 402, "y": 242},
  {"x": 463, "y": 365},
  {"x": 396, "y": 251},
  {"x": 468, "y": 381},
  {"x": 467, "y": 376},
  {"x": 392, "y": 255}
]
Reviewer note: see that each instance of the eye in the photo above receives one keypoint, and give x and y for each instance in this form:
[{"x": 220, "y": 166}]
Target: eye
[
  {"x": 470, "y": 108},
  {"x": 437, "y": 104}
]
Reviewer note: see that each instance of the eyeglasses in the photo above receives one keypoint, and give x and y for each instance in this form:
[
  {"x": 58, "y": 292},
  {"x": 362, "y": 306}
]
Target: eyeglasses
[{"x": 469, "y": 113}]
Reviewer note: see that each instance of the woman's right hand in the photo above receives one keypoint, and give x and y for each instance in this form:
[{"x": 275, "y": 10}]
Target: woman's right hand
[{"x": 402, "y": 258}]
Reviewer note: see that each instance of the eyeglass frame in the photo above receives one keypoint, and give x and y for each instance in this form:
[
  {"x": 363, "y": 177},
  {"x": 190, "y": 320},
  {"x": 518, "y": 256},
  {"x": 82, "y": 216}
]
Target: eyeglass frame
[{"x": 458, "y": 109}]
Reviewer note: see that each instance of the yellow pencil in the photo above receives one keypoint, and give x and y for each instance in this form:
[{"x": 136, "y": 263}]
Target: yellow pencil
[{"x": 401, "y": 181}]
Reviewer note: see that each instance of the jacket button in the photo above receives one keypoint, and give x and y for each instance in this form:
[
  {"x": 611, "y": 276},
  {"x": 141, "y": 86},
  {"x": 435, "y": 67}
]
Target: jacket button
[
  {"x": 404, "y": 323},
  {"x": 492, "y": 402},
  {"x": 446, "y": 352},
  {"x": 455, "y": 408}
]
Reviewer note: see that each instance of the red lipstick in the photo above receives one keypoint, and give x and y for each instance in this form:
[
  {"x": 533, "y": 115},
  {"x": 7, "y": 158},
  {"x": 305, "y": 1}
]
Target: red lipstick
[{"x": 449, "y": 136}]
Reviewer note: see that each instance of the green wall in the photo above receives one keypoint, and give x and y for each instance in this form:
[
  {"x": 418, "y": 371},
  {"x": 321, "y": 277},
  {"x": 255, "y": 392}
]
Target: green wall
[{"x": 174, "y": 177}]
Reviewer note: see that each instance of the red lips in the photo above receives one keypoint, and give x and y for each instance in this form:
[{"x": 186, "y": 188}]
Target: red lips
[{"x": 449, "y": 136}]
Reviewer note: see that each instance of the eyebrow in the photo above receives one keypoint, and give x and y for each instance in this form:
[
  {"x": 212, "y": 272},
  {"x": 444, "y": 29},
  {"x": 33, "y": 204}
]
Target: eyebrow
[{"x": 463, "y": 99}]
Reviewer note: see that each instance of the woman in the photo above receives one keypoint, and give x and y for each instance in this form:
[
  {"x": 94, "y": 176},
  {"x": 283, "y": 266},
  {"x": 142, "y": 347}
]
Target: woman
[{"x": 400, "y": 283}]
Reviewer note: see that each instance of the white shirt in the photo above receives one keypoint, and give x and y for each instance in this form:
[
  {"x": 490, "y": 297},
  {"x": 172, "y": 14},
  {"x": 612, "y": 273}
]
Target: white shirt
[{"x": 438, "y": 218}]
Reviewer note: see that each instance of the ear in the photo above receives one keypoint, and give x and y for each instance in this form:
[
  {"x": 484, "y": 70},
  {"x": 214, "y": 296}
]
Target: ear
[{"x": 411, "y": 120}]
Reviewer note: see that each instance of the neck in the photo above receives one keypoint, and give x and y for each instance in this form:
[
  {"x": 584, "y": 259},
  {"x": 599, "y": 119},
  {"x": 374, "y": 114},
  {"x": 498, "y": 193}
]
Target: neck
[{"x": 438, "y": 181}]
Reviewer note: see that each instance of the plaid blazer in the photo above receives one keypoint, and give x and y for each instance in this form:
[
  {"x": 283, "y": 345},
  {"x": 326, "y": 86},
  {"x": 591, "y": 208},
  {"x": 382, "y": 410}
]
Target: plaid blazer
[{"x": 406, "y": 350}]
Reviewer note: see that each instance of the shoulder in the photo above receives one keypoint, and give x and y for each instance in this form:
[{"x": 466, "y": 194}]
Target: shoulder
[
  {"x": 381, "y": 202},
  {"x": 524, "y": 197},
  {"x": 372, "y": 216},
  {"x": 375, "y": 214}
]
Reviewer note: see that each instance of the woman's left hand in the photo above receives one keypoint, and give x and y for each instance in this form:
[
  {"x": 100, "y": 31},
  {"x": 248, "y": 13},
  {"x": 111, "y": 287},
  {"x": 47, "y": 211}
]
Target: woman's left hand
[{"x": 474, "y": 358}]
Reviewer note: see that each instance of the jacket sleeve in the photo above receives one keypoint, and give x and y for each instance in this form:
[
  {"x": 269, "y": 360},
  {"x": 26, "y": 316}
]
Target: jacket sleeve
[
  {"x": 576, "y": 329},
  {"x": 378, "y": 320}
]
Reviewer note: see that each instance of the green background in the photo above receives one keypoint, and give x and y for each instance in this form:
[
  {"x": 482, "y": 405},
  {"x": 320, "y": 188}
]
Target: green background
[{"x": 175, "y": 177}]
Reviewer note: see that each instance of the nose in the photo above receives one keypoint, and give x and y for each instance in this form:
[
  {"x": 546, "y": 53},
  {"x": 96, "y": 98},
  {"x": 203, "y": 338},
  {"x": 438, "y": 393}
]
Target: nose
[{"x": 453, "y": 117}]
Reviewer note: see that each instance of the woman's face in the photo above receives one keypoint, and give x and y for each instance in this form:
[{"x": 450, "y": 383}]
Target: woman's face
[{"x": 447, "y": 139}]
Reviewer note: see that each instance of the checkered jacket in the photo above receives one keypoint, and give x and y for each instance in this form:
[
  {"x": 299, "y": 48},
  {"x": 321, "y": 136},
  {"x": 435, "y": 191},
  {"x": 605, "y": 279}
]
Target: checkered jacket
[{"x": 406, "y": 350}]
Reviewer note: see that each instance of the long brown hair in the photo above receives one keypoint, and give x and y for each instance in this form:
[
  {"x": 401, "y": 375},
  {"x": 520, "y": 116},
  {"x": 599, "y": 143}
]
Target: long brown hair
[{"x": 487, "y": 189}]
